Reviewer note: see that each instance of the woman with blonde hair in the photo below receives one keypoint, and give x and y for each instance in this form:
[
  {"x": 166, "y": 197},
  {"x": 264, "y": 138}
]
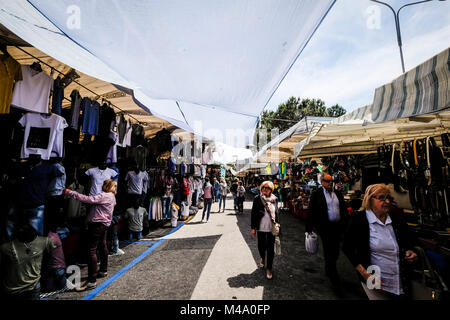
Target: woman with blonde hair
[
  {"x": 99, "y": 220},
  {"x": 264, "y": 213},
  {"x": 379, "y": 238}
]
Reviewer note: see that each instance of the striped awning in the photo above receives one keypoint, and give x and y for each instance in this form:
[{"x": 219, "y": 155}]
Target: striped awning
[{"x": 422, "y": 90}]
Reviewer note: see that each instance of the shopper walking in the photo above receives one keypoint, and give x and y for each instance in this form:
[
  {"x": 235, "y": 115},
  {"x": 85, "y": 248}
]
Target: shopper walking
[
  {"x": 240, "y": 194},
  {"x": 216, "y": 187},
  {"x": 223, "y": 194},
  {"x": 264, "y": 213},
  {"x": 207, "y": 198},
  {"x": 377, "y": 236},
  {"x": 99, "y": 220},
  {"x": 233, "y": 190},
  {"x": 327, "y": 214}
]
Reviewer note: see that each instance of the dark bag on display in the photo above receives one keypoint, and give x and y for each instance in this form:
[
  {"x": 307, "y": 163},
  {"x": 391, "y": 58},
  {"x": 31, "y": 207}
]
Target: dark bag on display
[{"x": 426, "y": 283}]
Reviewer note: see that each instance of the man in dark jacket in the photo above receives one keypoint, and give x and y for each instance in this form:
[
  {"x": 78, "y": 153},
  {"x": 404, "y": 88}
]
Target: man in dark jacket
[{"x": 327, "y": 214}]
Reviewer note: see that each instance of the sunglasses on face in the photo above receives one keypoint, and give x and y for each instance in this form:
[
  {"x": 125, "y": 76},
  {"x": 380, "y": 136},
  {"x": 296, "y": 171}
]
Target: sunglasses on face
[
  {"x": 383, "y": 198},
  {"x": 265, "y": 188}
]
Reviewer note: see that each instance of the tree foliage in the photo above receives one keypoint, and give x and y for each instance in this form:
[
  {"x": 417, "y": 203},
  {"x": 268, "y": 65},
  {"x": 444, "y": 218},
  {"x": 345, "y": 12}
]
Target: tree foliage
[{"x": 294, "y": 110}]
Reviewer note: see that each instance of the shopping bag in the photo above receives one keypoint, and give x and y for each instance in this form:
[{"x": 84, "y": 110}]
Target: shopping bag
[
  {"x": 311, "y": 242},
  {"x": 277, "y": 246},
  {"x": 426, "y": 284}
]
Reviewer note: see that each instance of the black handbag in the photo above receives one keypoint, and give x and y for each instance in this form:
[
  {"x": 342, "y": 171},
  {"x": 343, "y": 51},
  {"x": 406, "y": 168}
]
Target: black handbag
[{"x": 426, "y": 284}]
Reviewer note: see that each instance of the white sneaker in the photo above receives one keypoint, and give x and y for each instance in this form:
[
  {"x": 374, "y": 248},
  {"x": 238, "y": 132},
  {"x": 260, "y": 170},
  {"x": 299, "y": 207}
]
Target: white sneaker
[
  {"x": 203, "y": 220},
  {"x": 118, "y": 253}
]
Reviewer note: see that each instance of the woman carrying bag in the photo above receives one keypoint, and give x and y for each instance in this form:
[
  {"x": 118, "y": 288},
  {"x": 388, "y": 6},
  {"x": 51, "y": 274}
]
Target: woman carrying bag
[{"x": 264, "y": 218}]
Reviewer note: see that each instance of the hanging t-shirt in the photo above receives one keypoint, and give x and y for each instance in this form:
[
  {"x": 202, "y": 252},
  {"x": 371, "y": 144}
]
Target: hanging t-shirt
[
  {"x": 57, "y": 96},
  {"x": 75, "y": 109},
  {"x": 35, "y": 182},
  {"x": 91, "y": 110},
  {"x": 10, "y": 71},
  {"x": 43, "y": 135},
  {"x": 99, "y": 176},
  {"x": 58, "y": 184},
  {"x": 107, "y": 116},
  {"x": 135, "y": 181},
  {"x": 33, "y": 92},
  {"x": 112, "y": 153}
]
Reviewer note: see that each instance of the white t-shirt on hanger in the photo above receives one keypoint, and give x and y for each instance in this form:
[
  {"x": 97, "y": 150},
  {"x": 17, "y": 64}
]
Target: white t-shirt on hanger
[
  {"x": 43, "y": 135},
  {"x": 33, "y": 92},
  {"x": 99, "y": 176}
]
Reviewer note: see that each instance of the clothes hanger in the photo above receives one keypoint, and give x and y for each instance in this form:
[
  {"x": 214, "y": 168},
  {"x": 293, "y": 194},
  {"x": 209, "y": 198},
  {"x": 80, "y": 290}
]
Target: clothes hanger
[{"x": 36, "y": 66}]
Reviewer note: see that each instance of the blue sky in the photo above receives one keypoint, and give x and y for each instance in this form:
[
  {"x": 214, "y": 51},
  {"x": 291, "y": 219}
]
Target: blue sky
[{"x": 355, "y": 50}]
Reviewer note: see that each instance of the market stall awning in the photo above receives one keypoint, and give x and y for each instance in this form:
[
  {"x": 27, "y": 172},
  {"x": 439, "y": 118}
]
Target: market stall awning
[
  {"x": 417, "y": 108},
  {"x": 208, "y": 62}
]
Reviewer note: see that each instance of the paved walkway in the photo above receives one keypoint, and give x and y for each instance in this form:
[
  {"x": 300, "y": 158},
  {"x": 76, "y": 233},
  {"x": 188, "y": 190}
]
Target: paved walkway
[{"x": 217, "y": 260}]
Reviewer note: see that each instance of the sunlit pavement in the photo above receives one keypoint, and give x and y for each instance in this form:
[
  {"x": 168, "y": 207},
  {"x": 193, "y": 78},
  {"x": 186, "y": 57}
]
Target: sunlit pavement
[{"x": 217, "y": 260}]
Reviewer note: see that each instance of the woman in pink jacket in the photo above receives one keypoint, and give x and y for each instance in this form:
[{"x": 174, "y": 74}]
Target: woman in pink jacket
[{"x": 99, "y": 220}]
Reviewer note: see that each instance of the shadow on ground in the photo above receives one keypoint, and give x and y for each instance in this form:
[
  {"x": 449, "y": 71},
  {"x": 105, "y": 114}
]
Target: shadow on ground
[{"x": 297, "y": 274}]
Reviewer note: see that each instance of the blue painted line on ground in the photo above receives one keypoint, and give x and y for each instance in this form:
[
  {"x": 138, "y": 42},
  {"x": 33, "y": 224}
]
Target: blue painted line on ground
[{"x": 118, "y": 274}]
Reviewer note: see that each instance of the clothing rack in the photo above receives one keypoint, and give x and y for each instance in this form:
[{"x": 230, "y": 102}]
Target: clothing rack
[{"x": 84, "y": 87}]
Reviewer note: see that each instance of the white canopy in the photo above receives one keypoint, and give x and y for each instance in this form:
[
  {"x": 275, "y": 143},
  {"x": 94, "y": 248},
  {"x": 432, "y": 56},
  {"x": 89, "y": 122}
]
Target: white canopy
[{"x": 215, "y": 64}]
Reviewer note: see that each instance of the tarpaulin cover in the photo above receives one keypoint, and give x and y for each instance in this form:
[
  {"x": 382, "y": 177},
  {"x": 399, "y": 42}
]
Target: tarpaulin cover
[{"x": 220, "y": 60}]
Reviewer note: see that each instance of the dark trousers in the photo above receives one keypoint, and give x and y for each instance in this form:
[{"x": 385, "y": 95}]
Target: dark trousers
[
  {"x": 331, "y": 240},
  {"x": 266, "y": 242},
  {"x": 240, "y": 203},
  {"x": 97, "y": 240},
  {"x": 207, "y": 208}
]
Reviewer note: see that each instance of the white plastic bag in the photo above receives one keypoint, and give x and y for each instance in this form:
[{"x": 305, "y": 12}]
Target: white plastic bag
[
  {"x": 174, "y": 218},
  {"x": 184, "y": 211},
  {"x": 311, "y": 242}
]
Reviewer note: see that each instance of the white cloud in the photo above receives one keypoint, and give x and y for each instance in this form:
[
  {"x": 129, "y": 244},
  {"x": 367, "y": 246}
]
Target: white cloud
[{"x": 345, "y": 62}]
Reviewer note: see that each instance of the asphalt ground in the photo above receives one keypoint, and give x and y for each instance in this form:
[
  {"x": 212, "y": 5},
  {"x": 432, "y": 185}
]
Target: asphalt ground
[{"x": 217, "y": 260}]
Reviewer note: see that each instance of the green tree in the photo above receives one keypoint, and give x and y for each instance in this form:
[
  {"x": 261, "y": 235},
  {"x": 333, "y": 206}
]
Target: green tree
[{"x": 292, "y": 111}]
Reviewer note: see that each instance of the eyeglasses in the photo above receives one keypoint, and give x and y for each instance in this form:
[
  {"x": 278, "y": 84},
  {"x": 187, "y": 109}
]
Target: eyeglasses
[
  {"x": 383, "y": 198},
  {"x": 327, "y": 181}
]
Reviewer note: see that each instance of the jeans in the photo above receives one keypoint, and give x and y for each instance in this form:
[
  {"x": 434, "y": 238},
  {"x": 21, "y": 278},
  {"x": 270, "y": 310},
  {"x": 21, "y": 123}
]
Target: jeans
[
  {"x": 113, "y": 239},
  {"x": 97, "y": 239},
  {"x": 240, "y": 203},
  {"x": 56, "y": 279},
  {"x": 222, "y": 200},
  {"x": 235, "y": 201},
  {"x": 216, "y": 195},
  {"x": 166, "y": 211},
  {"x": 207, "y": 208},
  {"x": 266, "y": 242},
  {"x": 135, "y": 235}
]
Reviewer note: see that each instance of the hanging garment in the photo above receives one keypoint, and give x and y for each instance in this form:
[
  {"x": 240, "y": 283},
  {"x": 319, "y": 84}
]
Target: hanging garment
[
  {"x": 139, "y": 154},
  {"x": 91, "y": 110},
  {"x": 33, "y": 92},
  {"x": 172, "y": 166},
  {"x": 57, "y": 185},
  {"x": 107, "y": 116},
  {"x": 112, "y": 153},
  {"x": 57, "y": 96},
  {"x": 74, "y": 110},
  {"x": 99, "y": 176},
  {"x": 127, "y": 137},
  {"x": 135, "y": 181},
  {"x": 157, "y": 209},
  {"x": 121, "y": 128},
  {"x": 74, "y": 206},
  {"x": 137, "y": 135},
  {"x": 43, "y": 135},
  {"x": 10, "y": 72}
]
